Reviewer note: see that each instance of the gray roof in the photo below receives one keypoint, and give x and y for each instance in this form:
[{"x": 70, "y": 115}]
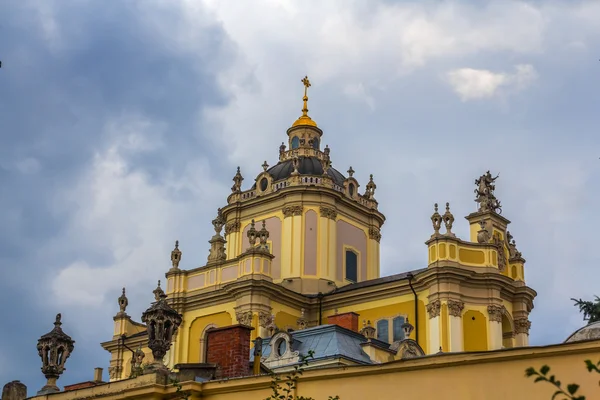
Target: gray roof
[
  {"x": 378, "y": 281},
  {"x": 326, "y": 341}
]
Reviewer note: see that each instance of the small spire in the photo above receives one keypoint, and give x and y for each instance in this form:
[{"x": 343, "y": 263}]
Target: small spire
[
  {"x": 350, "y": 171},
  {"x": 370, "y": 189},
  {"x": 305, "y": 119},
  {"x": 265, "y": 165},
  {"x": 219, "y": 222},
  {"x": 175, "y": 255},
  {"x": 252, "y": 235},
  {"x": 123, "y": 303},
  {"x": 436, "y": 220},
  {"x": 158, "y": 292},
  {"x": 263, "y": 235},
  {"x": 448, "y": 220},
  {"x": 237, "y": 182}
]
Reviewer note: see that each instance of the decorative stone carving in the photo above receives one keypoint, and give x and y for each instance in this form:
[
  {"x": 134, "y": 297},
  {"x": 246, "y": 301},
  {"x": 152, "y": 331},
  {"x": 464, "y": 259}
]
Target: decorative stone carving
[
  {"x": 407, "y": 327},
  {"x": 328, "y": 212},
  {"x": 436, "y": 220},
  {"x": 162, "y": 322},
  {"x": 370, "y": 188},
  {"x": 368, "y": 331},
  {"x": 281, "y": 150},
  {"x": 455, "y": 308},
  {"x": 408, "y": 349},
  {"x": 433, "y": 308},
  {"x": 302, "y": 322},
  {"x": 448, "y": 219},
  {"x": 54, "y": 349},
  {"x": 375, "y": 233},
  {"x": 264, "y": 319},
  {"x": 218, "y": 222},
  {"x": 176, "y": 255},
  {"x": 483, "y": 235},
  {"x": 263, "y": 236},
  {"x": 114, "y": 372},
  {"x": 296, "y": 165},
  {"x": 282, "y": 351},
  {"x": 252, "y": 235},
  {"x": 485, "y": 194},
  {"x": 244, "y": 318},
  {"x": 513, "y": 253},
  {"x": 232, "y": 226},
  {"x": 327, "y": 150},
  {"x": 265, "y": 166},
  {"x": 237, "y": 182},
  {"x": 136, "y": 363},
  {"x": 289, "y": 211},
  {"x": 501, "y": 255},
  {"x": 522, "y": 325},
  {"x": 158, "y": 292},
  {"x": 123, "y": 303},
  {"x": 350, "y": 172},
  {"x": 495, "y": 312}
]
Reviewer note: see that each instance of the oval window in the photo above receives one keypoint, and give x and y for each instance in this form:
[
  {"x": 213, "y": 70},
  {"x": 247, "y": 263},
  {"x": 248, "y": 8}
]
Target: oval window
[
  {"x": 295, "y": 142},
  {"x": 351, "y": 189},
  {"x": 281, "y": 347},
  {"x": 263, "y": 184}
]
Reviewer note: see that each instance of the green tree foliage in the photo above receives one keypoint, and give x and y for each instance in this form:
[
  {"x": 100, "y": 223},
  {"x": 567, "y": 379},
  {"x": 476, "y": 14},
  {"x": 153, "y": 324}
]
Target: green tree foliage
[
  {"x": 284, "y": 388},
  {"x": 570, "y": 391},
  {"x": 590, "y": 309}
]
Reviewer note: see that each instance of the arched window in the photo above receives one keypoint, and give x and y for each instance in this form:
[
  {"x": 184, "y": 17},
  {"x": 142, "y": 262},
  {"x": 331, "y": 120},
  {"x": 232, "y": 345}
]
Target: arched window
[
  {"x": 351, "y": 266},
  {"x": 295, "y": 142},
  {"x": 383, "y": 327},
  {"x": 315, "y": 143},
  {"x": 397, "y": 327}
]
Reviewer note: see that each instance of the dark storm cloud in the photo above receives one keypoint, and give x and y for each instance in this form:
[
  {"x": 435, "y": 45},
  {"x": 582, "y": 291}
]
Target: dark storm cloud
[{"x": 66, "y": 70}]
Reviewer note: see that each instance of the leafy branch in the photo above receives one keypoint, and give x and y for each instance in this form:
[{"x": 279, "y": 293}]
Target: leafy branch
[
  {"x": 570, "y": 393},
  {"x": 285, "y": 388}
]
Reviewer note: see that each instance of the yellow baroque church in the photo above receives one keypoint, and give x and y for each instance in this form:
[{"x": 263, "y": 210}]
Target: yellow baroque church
[
  {"x": 294, "y": 270},
  {"x": 301, "y": 244}
]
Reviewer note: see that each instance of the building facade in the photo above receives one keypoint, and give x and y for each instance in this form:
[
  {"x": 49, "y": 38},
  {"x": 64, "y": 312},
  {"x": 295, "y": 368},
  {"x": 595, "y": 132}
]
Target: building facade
[{"x": 299, "y": 248}]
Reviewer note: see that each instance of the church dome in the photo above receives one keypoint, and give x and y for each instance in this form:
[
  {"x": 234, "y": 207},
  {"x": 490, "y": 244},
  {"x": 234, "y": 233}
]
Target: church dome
[
  {"x": 308, "y": 166},
  {"x": 588, "y": 332}
]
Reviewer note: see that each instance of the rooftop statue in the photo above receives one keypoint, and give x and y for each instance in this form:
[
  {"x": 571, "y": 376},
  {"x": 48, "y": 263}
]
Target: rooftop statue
[{"x": 485, "y": 193}]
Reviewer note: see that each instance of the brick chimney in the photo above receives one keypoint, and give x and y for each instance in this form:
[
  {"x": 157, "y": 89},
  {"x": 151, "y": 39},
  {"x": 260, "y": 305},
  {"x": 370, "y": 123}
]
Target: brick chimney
[
  {"x": 229, "y": 348},
  {"x": 347, "y": 320}
]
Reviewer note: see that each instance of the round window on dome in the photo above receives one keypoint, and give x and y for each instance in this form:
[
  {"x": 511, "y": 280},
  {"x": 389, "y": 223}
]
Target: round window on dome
[{"x": 264, "y": 183}]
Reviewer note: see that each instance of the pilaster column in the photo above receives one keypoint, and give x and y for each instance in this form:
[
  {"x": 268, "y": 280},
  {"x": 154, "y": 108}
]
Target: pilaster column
[
  {"x": 233, "y": 236},
  {"x": 292, "y": 233},
  {"x": 327, "y": 243},
  {"x": 455, "y": 309},
  {"x": 495, "y": 313},
  {"x": 435, "y": 333},
  {"x": 373, "y": 253},
  {"x": 522, "y": 326}
]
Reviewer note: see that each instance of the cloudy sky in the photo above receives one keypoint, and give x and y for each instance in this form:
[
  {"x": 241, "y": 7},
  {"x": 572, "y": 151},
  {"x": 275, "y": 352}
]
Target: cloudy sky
[{"x": 122, "y": 124}]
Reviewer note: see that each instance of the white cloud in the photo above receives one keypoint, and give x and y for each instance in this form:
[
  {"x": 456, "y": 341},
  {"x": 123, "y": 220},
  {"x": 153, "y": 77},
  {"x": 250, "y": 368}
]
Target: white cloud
[{"x": 475, "y": 84}]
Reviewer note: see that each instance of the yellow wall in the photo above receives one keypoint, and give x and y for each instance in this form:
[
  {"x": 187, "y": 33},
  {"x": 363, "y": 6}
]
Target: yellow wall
[
  {"x": 474, "y": 331},
  {"x": 197, "y": 328}
]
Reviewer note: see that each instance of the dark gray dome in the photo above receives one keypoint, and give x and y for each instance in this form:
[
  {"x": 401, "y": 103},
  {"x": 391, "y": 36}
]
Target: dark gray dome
[{"x": 308, "y": 166}]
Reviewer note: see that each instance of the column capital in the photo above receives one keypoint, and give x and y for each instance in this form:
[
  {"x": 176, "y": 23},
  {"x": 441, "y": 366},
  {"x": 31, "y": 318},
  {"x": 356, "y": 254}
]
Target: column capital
[
  {"x": 455, "y": 308},
  {"x": 522, "y": 325},
  {"x": 433, "y": 308},
  {"x": 495, "y": 312}
]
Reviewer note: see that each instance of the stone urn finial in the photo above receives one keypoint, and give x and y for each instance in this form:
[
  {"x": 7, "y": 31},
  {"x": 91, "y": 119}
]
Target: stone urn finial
[{"x": 54, "y": 348}]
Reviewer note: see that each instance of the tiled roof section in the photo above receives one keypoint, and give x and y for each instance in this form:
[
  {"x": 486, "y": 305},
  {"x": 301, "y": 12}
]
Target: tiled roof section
[
  {"x": 326, "y": 341},
  {"x": 378, "y": 281}
]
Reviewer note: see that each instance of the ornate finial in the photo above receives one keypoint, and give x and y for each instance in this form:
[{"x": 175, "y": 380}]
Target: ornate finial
[
  {"x": 368, "y": 331},
  {"x": 123, "y": 302},
  {"x": 305, "y": 119},
  {"x": 263, "y": 235},
  {"x": 370, "y": 188},
  {"x": 296, "y": 165},
  {"x": 158, "y": 292},
  {"x": 407, "y": 328},
  {"x": 302, "y": 322},
  {"x": 252, "y": 235},
  {"x": 176, "y": 255},
  {"x": 485, "y": 194},
  {"x": 265, "y": 165},
  {"x": 350, "y": 172},
  {"x": 218, "y": 222},
  {"x": 436, "y": 220},
  {"x": 237, "y": 182},
  {"x": 448, "y": 220},
  {"x": 54, "y": 348},
  {"x": 483, "y": 235}
]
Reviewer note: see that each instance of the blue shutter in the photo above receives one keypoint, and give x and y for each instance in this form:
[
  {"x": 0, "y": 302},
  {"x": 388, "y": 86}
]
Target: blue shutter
[
  {"x": 397, "y": 328},
  {"x": 383, "y": 330},
  {"x": 351, "y": 266}
]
